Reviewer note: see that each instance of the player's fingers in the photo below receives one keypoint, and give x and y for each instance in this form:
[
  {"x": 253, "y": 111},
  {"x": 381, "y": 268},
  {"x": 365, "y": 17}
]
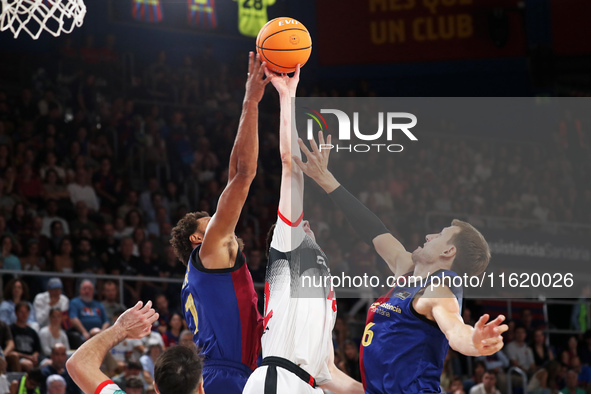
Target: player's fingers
[
  {"x": 296, "y": 75},
  {"x": 268, "y": 73},
  {"x": 146, "y": 307},
  {"x": 497, "y": 321},
  {"x": 481, "y": 322},
  {"x": 138, "y": 306},
  {"x": 153, "y": 318},
  {"x": 320, "y": 138},
  {"x": 492, "y": 341},
  {"x": 304, "y": 148},
  {"x": 328, "y": 142},
  {"x": 502, "y": 328},
  {"x": 299, "y": 163},
  {"x": 314, "y": 146},
  {"x": 250, "y": 62}
]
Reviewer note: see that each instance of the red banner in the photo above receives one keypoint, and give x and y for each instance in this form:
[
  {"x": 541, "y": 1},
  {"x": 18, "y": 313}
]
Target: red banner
[{"x": 387, "y": 31}]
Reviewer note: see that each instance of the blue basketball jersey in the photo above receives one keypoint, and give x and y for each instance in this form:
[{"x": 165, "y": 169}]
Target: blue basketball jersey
[
  {"x": 220, "y": 308},
  {"x": 402, "y": 351}
]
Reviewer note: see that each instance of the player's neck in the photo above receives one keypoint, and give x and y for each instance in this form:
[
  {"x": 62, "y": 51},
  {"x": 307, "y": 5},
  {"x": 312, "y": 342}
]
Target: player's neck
[{"x": 424, "y": 269}]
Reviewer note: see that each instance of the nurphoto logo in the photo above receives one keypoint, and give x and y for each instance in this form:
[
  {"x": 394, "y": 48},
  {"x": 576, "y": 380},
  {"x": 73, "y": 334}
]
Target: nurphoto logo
[{"x": 390, "y": 122}]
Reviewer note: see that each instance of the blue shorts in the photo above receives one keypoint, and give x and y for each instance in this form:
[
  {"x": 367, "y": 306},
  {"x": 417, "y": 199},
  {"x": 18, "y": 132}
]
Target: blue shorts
[{"x": 224, "y": 377}]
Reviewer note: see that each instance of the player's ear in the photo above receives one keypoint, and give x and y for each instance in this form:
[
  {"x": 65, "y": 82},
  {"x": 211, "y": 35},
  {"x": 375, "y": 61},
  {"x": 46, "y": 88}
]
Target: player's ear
[
  {"x": 449, "y": 252},
  {"x": 200, "y": 389},
  {"x": 196, "y": 238}
]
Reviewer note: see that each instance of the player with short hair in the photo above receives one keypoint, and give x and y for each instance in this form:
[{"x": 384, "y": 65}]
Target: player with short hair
[
  {"x": 177, "y": 371},
  {"x": 410, "y": 329},
  {"x": 300, "y": 306},
  {"x": 218, "y": 295}
]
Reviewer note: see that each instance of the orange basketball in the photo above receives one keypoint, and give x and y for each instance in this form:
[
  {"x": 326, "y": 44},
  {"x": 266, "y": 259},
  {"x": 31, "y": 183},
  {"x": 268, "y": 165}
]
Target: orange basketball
[{"x": 284, "y": 43}]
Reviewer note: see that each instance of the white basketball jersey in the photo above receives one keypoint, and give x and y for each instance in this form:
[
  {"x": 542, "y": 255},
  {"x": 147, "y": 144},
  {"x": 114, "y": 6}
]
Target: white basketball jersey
[{"x": 300, "y": 307}]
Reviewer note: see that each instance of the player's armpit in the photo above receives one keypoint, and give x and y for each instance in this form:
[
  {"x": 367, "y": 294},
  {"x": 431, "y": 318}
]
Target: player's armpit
[
  {"x": 395, "y": 255},
  {"x": 220, "y": 230}
]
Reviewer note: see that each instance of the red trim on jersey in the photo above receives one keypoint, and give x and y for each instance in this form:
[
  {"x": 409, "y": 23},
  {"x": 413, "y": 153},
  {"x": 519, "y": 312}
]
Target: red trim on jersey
[
  {"x": 102, "y": 386},
  {"x": 292, "y": 224},
  {"x": 247, "y": 300},
  {"x": 311, "y": 381},
  {"x": 370, "y": 314}
]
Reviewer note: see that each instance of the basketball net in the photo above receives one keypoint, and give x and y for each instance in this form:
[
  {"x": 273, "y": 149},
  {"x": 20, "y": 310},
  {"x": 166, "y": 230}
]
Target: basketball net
[{"x": 34, "y": 16}]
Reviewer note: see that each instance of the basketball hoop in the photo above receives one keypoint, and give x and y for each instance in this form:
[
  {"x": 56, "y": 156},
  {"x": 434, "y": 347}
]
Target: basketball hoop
[{"x": 34, "y": 16}]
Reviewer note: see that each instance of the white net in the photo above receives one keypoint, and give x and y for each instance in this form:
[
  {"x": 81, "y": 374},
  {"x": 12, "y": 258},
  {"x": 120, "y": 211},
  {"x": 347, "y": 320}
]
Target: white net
[{"x": 34, "y": 16}]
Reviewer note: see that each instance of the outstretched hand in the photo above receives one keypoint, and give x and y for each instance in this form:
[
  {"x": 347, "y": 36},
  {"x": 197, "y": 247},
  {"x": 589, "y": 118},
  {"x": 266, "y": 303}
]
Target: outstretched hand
[
  {"x": 316, "y": 165},
  {"x": 137, "y": 321},
  {"x": 284, "y": 84},
  {"x": 255, "y": 84},
  {"x": 487, "y": 338}
]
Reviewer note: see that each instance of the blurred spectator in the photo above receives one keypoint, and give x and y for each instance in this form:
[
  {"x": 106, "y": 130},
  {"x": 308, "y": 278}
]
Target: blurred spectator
[
  {"x": 53, "y": 334},
  {"x": 478, "y": 371},
  {"x": 135, "y": 385},
  {"x": 145, "y": 199},
  {"x": 107, "y": 185},
  {"x": 519, "y": 353},
  {"x": 172, "y": 335},
  {"x": 153, "y": 350},
  {"x": 8, "y": 260},
  {"x": 542, "y": 353},
  {"x": 86, "y": 314},
  {"x": 107, "y": 245},
  {"x": 6, "y": 344},
  {"x": 86, "y": 261},
  {"x": 131, "y": 202},
  {"x": 50, "y": 216},
  {"x": 16, "y": 291},
  {"x": 132, "y": 369},
  {"x": 164, "y": 313},
  {"x": 55, "y": 384},
  {"x": 82, "y": 221},
  {"x": 81, "y": 191},
  {"x": 456, "y": 386},
  {"x": 29, "y": 383},
  {"x": 148, "y": 266},
  {"x": 27, "y": 346},
  {"x": 572, "y": 382},
  {"x": 55, "y": 190},
  {"x": 571, "y": 352},
  {"x": 57, "y": 366},
  {"x": 548, "y": 379},
  {"x": 488, "y": 385},
  {"x": 352, "y": 360},
  {"x": 7, "y": 201},
  {"x": 110, "y": 296},
  {"x": 63, "y": 262},
  {"x": 52, "y": 298}
]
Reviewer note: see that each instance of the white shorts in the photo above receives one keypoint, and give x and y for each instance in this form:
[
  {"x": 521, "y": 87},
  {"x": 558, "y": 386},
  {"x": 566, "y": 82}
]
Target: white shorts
[{"x": 287, "y": 383}]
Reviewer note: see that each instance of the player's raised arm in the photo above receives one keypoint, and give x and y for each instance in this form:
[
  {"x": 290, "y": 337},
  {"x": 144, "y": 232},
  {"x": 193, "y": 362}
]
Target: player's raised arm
[
  {"x": 367, "y": 225},
  {"x": 84, "y": 365},
  {"x": 291, "y": 194},
  {"x": 241, "y": 172}
]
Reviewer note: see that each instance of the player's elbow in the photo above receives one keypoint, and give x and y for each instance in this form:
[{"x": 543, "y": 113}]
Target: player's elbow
[
  {"x": 246, "y": 169},
  {"x": 72, "y": 366}
]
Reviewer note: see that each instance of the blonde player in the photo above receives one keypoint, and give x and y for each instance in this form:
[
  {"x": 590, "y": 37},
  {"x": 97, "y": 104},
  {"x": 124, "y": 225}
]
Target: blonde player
[{"x": 300, "y": 307}]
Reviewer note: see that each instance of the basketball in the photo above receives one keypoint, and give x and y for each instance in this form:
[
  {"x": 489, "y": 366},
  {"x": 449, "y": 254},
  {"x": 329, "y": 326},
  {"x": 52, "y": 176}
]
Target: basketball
[{"x": 284, "y": 43}]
